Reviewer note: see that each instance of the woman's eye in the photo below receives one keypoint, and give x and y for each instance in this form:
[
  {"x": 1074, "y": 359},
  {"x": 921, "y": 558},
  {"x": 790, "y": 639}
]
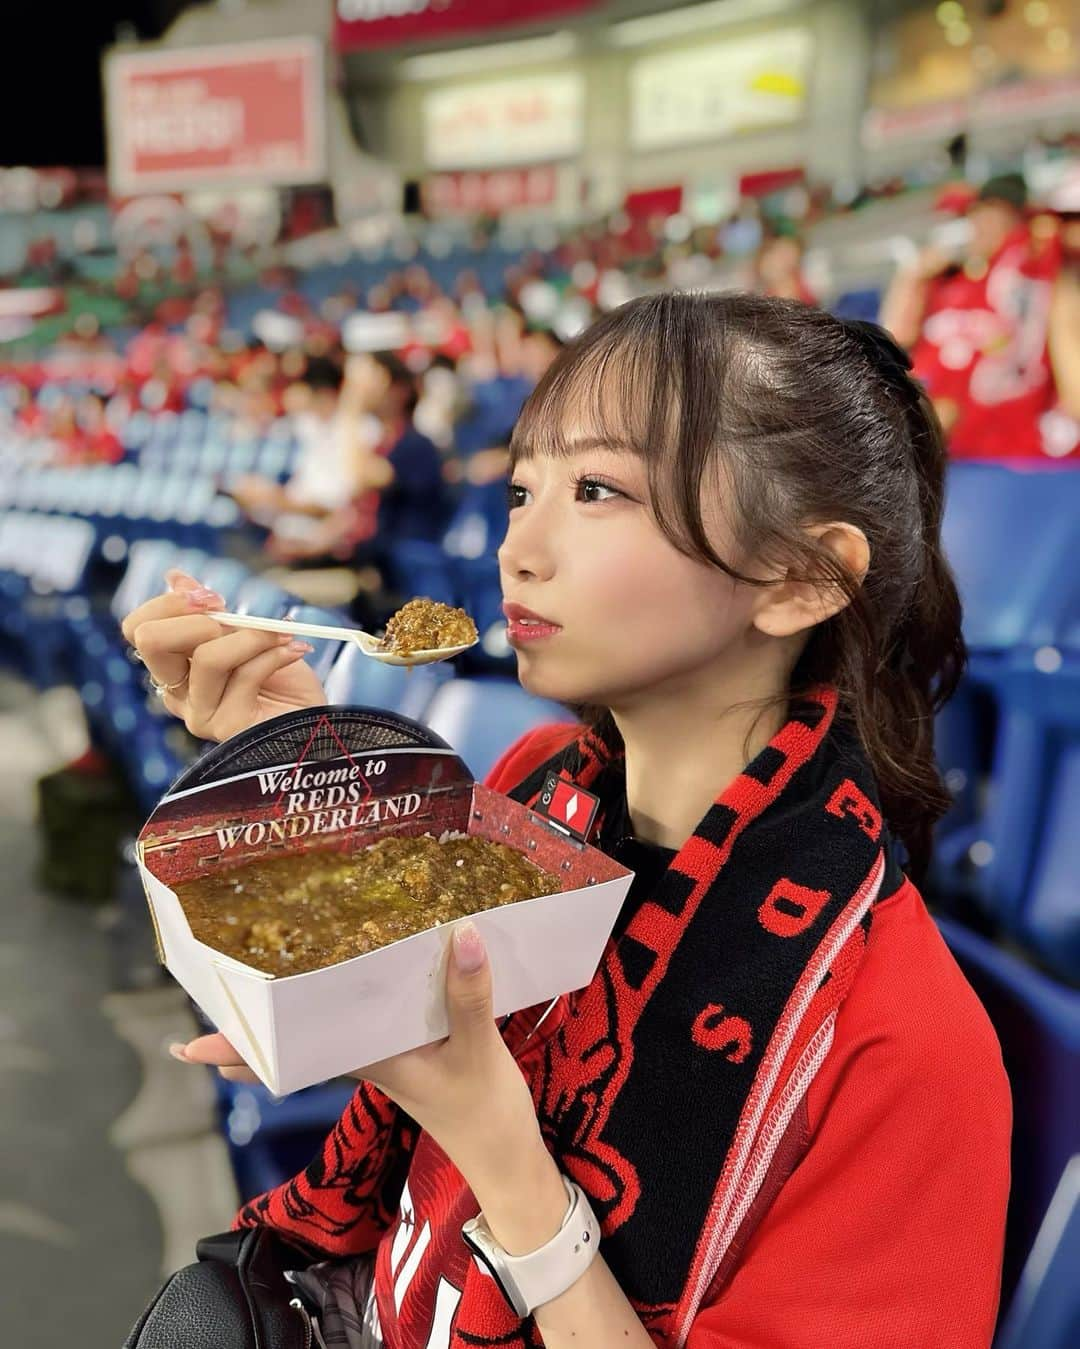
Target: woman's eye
[
  {"x": 587, "y": 487},
  {"x": 589, "y": 490}
]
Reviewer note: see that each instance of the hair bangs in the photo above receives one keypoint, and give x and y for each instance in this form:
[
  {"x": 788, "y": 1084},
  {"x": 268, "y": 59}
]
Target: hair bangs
[{"x": 606, "y": 390}]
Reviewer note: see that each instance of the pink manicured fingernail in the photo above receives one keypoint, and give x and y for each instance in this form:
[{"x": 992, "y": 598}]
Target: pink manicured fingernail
[
  {"x": 468, "y": 948},
  {"x": 201, "y": 598},
  {"x": 179, "y": 1051},
  {"x": 301, "y": 648},
  {"x": 176, "y": 579}
]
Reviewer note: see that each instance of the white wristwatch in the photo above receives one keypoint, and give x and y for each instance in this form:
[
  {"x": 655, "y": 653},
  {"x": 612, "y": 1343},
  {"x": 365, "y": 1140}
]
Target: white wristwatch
[{"x": 529, "y": 1281}]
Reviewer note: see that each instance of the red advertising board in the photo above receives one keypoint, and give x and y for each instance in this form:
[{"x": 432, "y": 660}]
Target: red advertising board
[
  {"x": 382, "y": 23},
  {"x": 490, "y": 192},
  {"x": 1016, "y": 102},
  {"x": 236, "y": 114},
  {"x": 764, "y": 183}
]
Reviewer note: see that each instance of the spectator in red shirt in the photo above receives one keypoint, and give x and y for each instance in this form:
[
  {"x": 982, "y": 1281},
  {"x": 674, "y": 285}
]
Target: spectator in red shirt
[{"x": 980, "y": 333}]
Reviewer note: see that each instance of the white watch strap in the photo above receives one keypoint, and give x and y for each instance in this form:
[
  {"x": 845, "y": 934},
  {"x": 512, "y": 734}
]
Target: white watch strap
[{"x": 541, "y": 1276}]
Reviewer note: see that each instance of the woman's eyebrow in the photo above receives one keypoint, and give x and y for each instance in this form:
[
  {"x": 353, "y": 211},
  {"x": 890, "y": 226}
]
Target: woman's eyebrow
[
  {"x": 590, "y": 443},
  {"x": 570, "y": 449}
]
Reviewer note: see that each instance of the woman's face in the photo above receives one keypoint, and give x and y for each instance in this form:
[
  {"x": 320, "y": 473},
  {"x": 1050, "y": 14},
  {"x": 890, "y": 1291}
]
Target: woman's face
[{"x": 635, "y": 617}]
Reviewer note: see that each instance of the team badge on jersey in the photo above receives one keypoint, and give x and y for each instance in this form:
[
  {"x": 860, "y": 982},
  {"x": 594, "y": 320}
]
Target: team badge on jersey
[{"x": 567, "y": 806}]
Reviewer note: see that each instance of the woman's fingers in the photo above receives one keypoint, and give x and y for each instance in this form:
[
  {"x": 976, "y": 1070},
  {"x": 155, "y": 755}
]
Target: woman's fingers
[
  {"x": 199, "y": 658},
  {"x": 172, "y": 604},
  {"x": 239, "y": 1075},
  {"x": 167, "y": 645},
  {"x": 241, "y": 693},
  {"x": 168, "y": 628},
  {"x": 176, "y": 579},
  {"x": 213, "y": 1050},
  {"x": 214, "y": 663}
]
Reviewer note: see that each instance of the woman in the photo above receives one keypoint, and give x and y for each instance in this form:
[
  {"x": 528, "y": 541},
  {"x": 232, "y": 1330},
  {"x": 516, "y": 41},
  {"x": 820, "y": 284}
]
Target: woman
[{"x": 778, "y": 1095}]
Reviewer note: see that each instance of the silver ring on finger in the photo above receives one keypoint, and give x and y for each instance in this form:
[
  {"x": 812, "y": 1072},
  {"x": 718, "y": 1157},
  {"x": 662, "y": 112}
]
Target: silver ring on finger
[{"x": 161, "y": 689}]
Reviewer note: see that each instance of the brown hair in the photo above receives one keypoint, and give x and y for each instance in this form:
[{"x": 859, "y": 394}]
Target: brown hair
[
  {"x": 401, "y": 377},
  {"x": 799, "y": 418}
]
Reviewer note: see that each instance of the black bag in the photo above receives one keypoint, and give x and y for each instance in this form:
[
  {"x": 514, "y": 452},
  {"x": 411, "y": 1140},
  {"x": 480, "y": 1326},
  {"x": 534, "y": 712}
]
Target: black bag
[
  {"x": 235, "y": 1297},
  {"x": 85, "y": 811}
]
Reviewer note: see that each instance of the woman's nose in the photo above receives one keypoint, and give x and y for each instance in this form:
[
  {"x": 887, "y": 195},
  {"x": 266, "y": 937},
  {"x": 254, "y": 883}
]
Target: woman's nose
[{"x": 526, "y": 551}]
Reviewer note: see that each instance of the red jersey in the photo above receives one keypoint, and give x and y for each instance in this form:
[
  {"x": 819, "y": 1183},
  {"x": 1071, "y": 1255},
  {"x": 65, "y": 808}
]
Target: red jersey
[
  {"x": 880, "y": 1222},
  {"x": 984, "y": 346}
]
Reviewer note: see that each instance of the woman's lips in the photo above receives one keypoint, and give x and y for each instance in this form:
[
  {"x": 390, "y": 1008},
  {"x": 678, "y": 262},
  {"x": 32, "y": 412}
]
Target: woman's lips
[
  {"x": 522, "y": 625},
  {"x": 520, "y": 630}
]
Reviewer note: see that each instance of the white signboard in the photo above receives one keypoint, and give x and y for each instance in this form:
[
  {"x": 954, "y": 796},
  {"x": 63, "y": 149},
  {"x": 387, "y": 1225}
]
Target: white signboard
[
  {"x": 526, "y": 120},
  {"x": 718, "y": 89}
]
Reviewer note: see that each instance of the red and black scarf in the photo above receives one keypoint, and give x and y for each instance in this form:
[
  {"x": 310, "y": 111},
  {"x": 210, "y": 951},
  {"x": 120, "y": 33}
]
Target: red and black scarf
[{"x": 665, "y": 1087}]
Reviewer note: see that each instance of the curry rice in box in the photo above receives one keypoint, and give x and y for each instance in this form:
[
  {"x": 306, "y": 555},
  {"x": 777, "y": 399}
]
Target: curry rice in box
[{"x": 327, "y": 784}]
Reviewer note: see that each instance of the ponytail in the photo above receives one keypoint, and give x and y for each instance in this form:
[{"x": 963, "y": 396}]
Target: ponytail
[{"x": 907, "y": 674}]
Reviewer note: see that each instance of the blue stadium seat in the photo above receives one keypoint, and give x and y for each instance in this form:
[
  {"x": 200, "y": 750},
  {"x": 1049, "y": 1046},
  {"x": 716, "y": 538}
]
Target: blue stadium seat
[
  {"x": 481, "y": 718},
  {"x": 355, "y": 680},
  {"x": 480, "y": 587},
  {"x": 1045, "y": 1312},
  {"x": 1007, "y": 535},
  {"x": 1038, "y": 1024},
  {"x": 417, "y": 567},
  {"x": 1067, "y": 619},
  {"x": 271, "y": 1138},
  {"x": 962, "y": 744},
  {"x": 479, "y": 523},
  {"x": 994, "y": 739},
  {"x": 151, "y": 760},
  {"x": 858, "y": 304},
  {"x": 258, "y": 595},
  {"x": 1026, "y": 833},
  {"x": 227, "y": 576},
  {"x": 326, "y": 651},
  {"x": 144, "y": 576},
  {"x": 476, "y": 529},
  {"x": 1048, "y": 920}
]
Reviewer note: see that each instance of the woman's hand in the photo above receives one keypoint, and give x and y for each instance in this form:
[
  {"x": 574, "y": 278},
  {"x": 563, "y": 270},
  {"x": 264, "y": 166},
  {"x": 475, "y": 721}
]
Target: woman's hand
[
  {"x": 470, "y": 1096},
  {"x": 466, "y": 1091},
  {"x": 220, "y": 680},
  {"x": 215, "y": 1052},
  {"x": 931, "y": 261}
]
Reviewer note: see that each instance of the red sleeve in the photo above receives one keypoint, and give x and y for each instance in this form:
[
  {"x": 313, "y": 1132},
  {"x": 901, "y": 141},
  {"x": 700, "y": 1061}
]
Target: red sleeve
[
  {"x": 889, "y": 1232},
  {"x": 344, "y": 1201},
  {"x": 528, "y": 753}
]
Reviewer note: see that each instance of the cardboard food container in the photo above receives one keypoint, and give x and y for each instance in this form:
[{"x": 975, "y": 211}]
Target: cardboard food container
[{"x": 340, "y": 779}]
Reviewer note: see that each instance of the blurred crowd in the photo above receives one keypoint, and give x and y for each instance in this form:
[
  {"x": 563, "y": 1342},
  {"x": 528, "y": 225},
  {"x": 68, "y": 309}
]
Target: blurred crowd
[{"x": 401, "y": 395}]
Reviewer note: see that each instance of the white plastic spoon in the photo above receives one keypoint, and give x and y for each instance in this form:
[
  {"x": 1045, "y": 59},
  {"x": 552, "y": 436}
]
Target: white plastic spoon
[{"x": 370, "y": 646}]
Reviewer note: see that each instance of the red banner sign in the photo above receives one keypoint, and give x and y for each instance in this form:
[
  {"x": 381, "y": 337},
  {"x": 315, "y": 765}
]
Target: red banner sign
[
  {"x": 490, "y": 192},
  {"x": 250, "y": 113},
  {"x": 769, "y": 180},
  {"x": 382, "y": 23},
  {"x": 987, "y": 107}
]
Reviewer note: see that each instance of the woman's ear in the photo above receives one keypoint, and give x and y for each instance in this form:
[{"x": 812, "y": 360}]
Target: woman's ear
[{"x": 795, "y": 604}]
